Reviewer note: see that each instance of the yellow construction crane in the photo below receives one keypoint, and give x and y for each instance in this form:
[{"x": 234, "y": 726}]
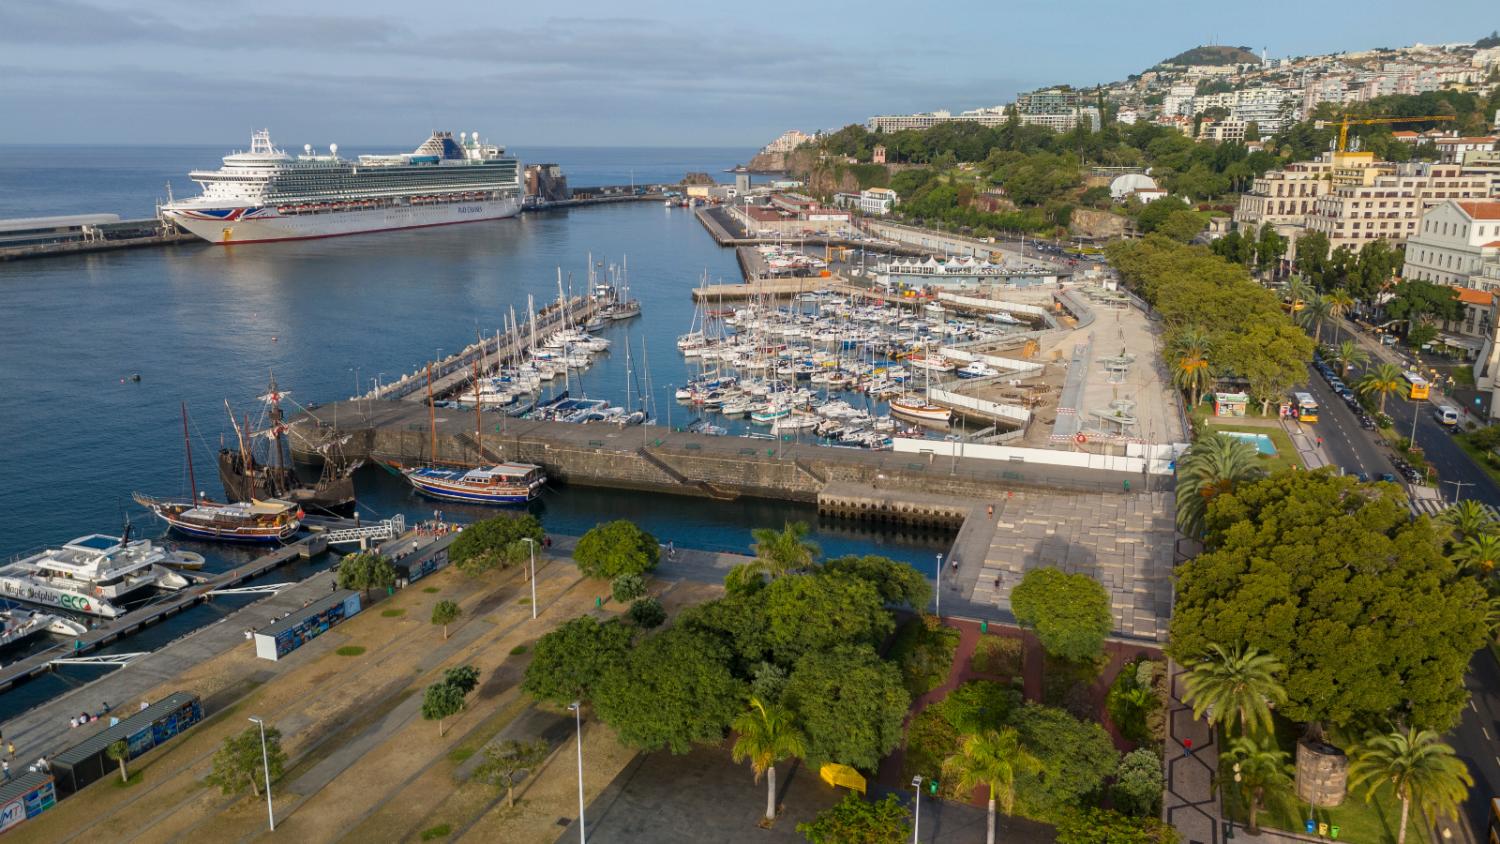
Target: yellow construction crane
[{"x": 1345, "y": 122}]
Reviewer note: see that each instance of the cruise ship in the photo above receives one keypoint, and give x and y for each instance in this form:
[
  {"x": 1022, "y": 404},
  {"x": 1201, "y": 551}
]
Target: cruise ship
[{"x": 266, "y": 195}]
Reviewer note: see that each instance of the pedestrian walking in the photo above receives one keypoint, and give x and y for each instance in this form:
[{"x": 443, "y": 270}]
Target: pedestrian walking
[
  {"x": 5, "y": 769},
  {"x": 1187, "y": 746},
  {"x": 10, "y": 749},
  {"x": 671, "y": 549}
]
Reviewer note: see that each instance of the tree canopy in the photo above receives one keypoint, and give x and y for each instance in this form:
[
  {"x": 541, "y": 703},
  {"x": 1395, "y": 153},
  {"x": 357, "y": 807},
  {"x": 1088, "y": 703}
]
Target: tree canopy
[
  {"x": 568, "y": 662},
  {"x": 855, "y": 820},
  {"x": 239, "y": 763},
  {"x": 1247, "y": 333},
  {"x": 494, "y": 543},
  {"x": 671, "y": 691},
  {"x": 1076, "y": 756},
  {"x": 1344, "y": 588},
  {"x": 898, "y": 583},
  {"x": 850, "y": 704},
  {"x": 1069, "y": 612},
  {"x": 615, "y": 548},
  {"x": 816, "y": 612},
  {"x": 365, "y": 571}
]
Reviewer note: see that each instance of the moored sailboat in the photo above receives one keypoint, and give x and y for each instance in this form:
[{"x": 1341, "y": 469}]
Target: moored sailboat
[
  {"x": 249, "y": 477},
  {"x": 269, "y": 521}
]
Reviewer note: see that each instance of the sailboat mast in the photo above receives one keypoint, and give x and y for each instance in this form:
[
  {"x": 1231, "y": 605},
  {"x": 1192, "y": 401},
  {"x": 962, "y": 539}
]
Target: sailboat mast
[
  {"x": 187, "y": 444},
  {"x": 478, "y": 417},
  {"x": 431, "y": 417}
]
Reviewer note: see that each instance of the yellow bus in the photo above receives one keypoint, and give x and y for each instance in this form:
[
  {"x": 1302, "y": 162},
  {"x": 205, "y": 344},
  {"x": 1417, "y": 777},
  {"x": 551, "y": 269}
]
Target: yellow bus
[
  {"x": 1307, "y": 407},
  {"x": 1417, "y": 387}
]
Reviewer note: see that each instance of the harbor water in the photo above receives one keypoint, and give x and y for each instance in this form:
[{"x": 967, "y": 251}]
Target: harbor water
[{"x": 203, "y": 324}]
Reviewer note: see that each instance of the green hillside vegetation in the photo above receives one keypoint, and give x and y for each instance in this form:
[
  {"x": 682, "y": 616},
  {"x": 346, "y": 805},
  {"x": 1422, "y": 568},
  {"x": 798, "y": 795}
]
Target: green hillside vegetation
[{"x": 1215, "y": 55}]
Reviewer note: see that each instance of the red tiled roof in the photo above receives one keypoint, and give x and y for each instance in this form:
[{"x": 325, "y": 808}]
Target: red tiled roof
[
  {"x": 1470, "y": 296},
  {"x": 1481, "y": 210},
  {"x": 1494, "y": 244}
]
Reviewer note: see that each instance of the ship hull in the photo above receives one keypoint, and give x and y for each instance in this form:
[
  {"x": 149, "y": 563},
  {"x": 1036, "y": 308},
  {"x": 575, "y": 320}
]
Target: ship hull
[
  {"x": 228, "y": 226},
  {"x": 455, "y": 492}
]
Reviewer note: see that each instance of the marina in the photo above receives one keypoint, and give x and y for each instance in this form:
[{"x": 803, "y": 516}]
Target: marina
[{"x": 627, "y": 412}]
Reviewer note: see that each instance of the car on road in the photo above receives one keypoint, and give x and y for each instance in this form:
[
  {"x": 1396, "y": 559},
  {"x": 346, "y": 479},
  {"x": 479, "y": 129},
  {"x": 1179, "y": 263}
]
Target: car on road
[
  {"x": 1363, "y": 477},
  {"x": 1387, "y": 477},
  {"x": 1366, "y": 422}
]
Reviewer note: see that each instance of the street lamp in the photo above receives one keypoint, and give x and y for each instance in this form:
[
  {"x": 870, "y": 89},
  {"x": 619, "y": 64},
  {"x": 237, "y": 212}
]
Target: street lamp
[
  {"x": 265, "y": 763},
  {"x": 532, "y": 542},
  {"x": 578, "y": 722},
  {"x": 916, "y": 825},
  {"x": 939, "y": 592}
]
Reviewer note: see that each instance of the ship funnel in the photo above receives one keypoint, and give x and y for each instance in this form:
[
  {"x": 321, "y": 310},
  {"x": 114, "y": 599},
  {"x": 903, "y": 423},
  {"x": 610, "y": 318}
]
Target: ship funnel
[
  {"x": 307, "y": 149},
  {"x": 333, "y": 149}
]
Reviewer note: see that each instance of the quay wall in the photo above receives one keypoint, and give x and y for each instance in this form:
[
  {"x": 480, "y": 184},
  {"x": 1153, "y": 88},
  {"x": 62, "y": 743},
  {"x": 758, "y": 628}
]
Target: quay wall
[{"x": 651, "y": 458}]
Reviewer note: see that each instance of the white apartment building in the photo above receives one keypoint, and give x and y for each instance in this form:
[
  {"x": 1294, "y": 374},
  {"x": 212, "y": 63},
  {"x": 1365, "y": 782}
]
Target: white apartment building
[
  {"x": 993, "y": 116},
  {"x": 789, "y": 140},
  {"x": 1222, "y": 131},
  {"x": 1454, "y": 242},
  {"x": 1064, "y": 121},
  {"x": 1179, "y": 100},
  {"x": 877, "y": 201},
  {"x": 1386, "y": 201},
  {"x": 1284, "y": 198},
  {"x": 1270, "y": 108},
  {"x": 1485, "y": 163}
]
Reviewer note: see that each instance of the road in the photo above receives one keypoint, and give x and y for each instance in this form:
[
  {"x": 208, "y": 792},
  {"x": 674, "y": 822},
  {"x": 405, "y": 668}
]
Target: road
[
  {"x": 1475, "y": 740},
  {"x": 1353, "y": 448},
  {"x": 1450, "y": 461}
]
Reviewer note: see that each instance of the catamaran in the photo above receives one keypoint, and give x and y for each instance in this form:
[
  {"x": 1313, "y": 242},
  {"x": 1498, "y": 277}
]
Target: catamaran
[{"x": 92, "y": 574}]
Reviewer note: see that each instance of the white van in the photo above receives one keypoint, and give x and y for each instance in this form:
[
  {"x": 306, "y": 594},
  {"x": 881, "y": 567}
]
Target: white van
[{"x": 1446, "y": 415}]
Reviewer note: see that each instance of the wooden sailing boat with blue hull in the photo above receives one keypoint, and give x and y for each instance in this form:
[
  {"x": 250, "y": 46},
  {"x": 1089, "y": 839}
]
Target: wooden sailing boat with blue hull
[{"x": 495, "y": 484}]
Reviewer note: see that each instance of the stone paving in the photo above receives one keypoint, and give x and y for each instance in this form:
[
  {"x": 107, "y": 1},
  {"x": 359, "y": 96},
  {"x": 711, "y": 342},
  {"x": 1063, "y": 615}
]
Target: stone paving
[{"x": 1123, "y": 541}]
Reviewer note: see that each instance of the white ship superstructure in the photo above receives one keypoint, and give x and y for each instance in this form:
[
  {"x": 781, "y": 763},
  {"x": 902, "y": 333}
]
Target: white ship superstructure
[
  {"x": 266, "y": 194},
  {"x": 92, "y": 573}
]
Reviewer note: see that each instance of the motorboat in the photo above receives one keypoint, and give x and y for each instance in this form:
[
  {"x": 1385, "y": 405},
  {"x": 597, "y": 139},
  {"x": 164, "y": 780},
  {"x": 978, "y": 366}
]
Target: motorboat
[{"x": 93, "y": 574}]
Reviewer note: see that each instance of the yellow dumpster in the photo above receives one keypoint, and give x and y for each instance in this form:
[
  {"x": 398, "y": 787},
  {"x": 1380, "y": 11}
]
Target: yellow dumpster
[{"x": 843, "y": 775}]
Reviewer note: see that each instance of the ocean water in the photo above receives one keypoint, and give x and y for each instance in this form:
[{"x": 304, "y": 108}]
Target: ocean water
[{"x": 203, "y": 325}]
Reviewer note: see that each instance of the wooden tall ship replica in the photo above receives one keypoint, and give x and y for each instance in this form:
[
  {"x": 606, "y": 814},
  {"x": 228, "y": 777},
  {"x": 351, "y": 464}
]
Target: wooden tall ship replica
[
  {"x": 251, "y": 473},
  {"x": 257, "y": 521}
]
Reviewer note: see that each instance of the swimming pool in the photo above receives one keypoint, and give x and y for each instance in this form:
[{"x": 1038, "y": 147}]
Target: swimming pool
[{"x": 1261, "y": 442}]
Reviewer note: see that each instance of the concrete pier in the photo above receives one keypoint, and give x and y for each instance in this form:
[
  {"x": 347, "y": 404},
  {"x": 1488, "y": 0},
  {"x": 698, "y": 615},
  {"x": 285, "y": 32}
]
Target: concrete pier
[
  {"x": 653, "y": 458},
  {"x": 154, "y": 612}
]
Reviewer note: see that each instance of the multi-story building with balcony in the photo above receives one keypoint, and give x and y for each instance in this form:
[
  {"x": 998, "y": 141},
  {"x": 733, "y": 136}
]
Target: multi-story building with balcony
[{"x": 1370, "y": 200}]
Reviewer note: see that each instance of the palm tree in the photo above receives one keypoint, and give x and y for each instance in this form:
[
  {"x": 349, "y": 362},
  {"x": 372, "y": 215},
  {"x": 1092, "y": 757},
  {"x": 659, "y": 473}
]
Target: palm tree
[
  {"x": 992, "y": 759},
  {"x": 1339, "y": 303},
  {"x": 1313, "y": 312},
  {"x": 784, "y": 551},
  {"x": 1212, "y": 466},
  {"x": 767, "y": 735},
  {"x": 1297, "y": 290},
  {"x": 1384, "y": 379},
  {"x": 1469, "y": 518},
  {"x": 1259, "y": 767},
  {"x": 1479, "y": 553},
  {"x": 1189, "y": 337},
  {"x": 1235, "y": 685},
  {"x": 1349, "y": 354},
  {"x": 120, "y": 752},
  {"x": 1192, "y": 372},
  {"x": 1418, "y": 765}
]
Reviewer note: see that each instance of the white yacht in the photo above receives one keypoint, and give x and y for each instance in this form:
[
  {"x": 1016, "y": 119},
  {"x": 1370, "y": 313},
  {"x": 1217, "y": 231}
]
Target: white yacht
[{"x": 93, "y": 574}]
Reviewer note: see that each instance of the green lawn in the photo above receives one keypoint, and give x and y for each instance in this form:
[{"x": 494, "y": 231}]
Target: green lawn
[
  {"x": 1286, "y": 455},
  {"x": 1359, "y": 820},
  {"x": 1371, "y": 822}
]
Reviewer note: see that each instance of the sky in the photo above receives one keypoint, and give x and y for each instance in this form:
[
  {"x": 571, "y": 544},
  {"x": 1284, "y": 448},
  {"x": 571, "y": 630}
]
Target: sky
[{"x": 598, "y": 73}]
